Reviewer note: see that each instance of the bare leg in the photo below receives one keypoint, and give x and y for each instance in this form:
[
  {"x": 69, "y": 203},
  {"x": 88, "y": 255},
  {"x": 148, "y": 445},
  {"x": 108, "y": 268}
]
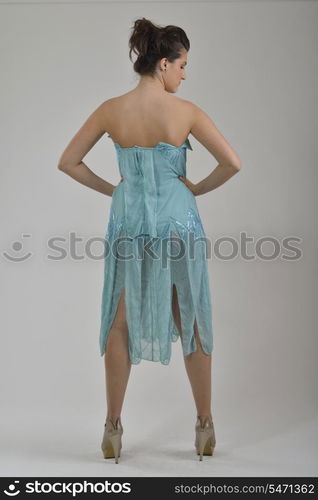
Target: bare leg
[
  {"x": 198, "y": 366},
  {"x": 117, "y": 362}
]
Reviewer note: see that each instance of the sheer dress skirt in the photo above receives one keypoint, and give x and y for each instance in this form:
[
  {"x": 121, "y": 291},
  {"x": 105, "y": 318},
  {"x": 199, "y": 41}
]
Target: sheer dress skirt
[{"x": 147, "y": 267}]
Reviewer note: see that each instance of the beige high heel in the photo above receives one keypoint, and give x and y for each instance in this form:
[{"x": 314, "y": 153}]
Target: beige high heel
[
  {"x": 205, "y": 437},
  {"x": 111, "y": 444}
]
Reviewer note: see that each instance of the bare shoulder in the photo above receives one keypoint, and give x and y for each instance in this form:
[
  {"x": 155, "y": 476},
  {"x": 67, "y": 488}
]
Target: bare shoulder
[
  {"x": 109, "y": 104},
  {"x": 115, "y": 101},
  {"x": 183, "y": 104},
  {"x": 183, "y": 109},
  {"x": 108, "y": 110},
  {"x": 192, "y": 111}
]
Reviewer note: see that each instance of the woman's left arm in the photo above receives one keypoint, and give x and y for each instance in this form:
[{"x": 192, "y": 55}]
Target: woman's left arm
[{"x": 71, "y": 161}]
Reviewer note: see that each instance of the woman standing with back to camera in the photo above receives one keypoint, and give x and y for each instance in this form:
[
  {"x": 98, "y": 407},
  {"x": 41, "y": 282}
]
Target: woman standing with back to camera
[{"x": 149, "y": 302}]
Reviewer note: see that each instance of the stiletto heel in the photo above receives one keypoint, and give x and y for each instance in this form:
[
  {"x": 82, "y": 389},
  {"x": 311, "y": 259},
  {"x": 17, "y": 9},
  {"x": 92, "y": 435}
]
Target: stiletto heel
[
  {"x": 205, "y": 437},
  {"x": 111, "y": 444}
]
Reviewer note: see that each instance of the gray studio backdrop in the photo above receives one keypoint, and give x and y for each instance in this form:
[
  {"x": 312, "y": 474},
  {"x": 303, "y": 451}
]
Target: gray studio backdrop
[{"x": 252, "y": 67}]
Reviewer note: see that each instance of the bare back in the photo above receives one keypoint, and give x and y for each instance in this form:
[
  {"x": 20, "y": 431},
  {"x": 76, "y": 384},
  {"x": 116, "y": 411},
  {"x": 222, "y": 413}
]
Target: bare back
[{"x": 144, "y": 119}]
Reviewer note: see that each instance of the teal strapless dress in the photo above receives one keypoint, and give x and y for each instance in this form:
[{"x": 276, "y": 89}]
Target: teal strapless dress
[{"x": 154, "y": 239}]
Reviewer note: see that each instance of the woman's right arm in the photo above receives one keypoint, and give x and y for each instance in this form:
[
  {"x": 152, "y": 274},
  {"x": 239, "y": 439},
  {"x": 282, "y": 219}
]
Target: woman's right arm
[{"x": 205, "y": 131}]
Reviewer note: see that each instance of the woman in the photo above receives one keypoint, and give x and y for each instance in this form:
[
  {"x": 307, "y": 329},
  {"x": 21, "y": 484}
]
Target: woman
[{"x": 147, "y": 303}]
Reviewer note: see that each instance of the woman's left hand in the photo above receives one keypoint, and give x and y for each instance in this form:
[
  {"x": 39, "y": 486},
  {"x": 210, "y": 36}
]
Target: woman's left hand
[{"x": 189, "y": 184}]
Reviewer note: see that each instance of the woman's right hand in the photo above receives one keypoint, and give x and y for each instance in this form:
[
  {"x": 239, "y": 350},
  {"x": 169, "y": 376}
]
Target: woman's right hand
[{"x": 189, "y": 184}]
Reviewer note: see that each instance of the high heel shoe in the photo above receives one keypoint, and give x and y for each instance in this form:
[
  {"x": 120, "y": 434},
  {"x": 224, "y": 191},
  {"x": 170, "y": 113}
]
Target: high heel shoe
[
  {"x": 205, "y": 437},
  {"x": 111, "y": 444}
]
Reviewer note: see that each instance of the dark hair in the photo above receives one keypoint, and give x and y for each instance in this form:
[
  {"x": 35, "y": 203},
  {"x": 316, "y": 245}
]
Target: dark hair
[{"x": 152, "y": 42}]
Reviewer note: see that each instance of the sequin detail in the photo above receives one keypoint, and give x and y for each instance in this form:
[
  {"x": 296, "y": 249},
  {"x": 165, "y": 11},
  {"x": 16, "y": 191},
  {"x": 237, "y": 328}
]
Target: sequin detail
[
  {"x": 115, "y": 226},
  {"x": 193, "y": 224}
]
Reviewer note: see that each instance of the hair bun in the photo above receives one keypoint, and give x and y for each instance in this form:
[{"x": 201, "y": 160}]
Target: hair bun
[{"x": 151, "y": 42}]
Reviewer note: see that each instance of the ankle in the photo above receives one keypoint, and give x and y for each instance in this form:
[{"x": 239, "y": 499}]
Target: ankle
[
  {"x": 204, "y": 416},
  {"x": 113, "y": 418}
]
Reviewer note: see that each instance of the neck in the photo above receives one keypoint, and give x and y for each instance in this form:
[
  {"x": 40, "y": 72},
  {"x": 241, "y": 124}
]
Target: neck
[{"x": 149, "y": 83}]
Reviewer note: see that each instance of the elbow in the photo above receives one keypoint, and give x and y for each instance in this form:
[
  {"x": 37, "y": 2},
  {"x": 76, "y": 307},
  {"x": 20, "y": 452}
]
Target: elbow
[
  {"x": 67, "y": 169},
  {"x": 233, "y": 167},
  {"x": 62, "y": 163},
  {"x": 237, "y": 166},
  {"x": 62, "y": 167},
  {"x": 233, "y": 163}
]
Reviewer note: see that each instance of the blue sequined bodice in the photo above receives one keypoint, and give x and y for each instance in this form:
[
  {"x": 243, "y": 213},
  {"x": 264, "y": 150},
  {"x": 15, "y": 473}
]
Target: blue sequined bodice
[{"x": 151, "y": 197}]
